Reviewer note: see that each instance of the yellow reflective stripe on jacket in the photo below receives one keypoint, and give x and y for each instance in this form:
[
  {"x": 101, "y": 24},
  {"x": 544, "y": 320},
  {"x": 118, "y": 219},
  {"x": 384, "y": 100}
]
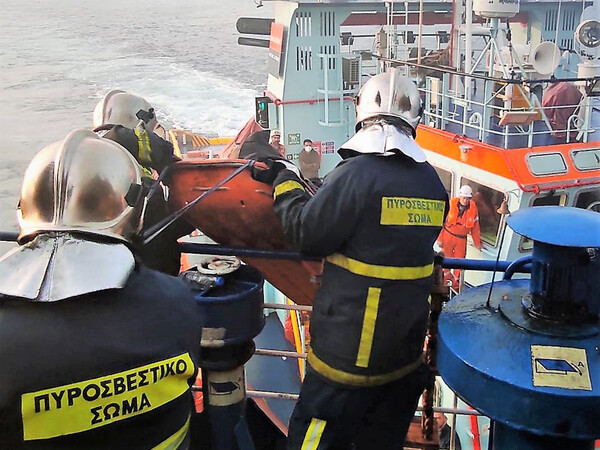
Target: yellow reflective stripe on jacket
[
  {"x": 368, "y": 328},
  {"x": 313, "y": 434},
  {"x": 144, "y": 149},
  {"x": 285, "y": 187},
  {"x": 94, "y": 403},
  {"x": 381, "y": 272},
  {"x": 174, "y": 441},
  {"x": 353, "y": 379}
]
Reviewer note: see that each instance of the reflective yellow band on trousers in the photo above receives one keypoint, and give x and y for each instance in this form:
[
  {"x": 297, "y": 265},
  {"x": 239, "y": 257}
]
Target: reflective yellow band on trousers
[
  {"x": 353, "y": 379},
  {"x": 412, "y": 211},
  {"x": 382, "y": 272},
  {"x": 313, "y": 434},
  {"x": 368, "y": 328},
  {"x": 285, "y": 187},
  {"x": 90, "y": 404},
  {"x": 144, "y": 149},
  {"x": 173, "y": 442}
]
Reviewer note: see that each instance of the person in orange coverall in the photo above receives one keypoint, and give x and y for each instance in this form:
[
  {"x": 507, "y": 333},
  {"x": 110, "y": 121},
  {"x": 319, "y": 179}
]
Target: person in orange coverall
[
  {"x": 289, "y": 329},
  {"x": 462, "y": 219}
]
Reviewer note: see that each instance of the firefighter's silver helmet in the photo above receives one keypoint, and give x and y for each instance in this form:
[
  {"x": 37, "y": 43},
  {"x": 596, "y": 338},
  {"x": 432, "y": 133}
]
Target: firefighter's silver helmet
[
  {"x": 389, "y": 94},
  {"x": 85, "y": 184},
  {"x": 121, "y": 108}
]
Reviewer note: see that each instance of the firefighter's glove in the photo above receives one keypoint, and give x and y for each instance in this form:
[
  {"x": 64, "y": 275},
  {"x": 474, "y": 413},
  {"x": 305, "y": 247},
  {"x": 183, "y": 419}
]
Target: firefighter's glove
[{"x": 275, "y": 166}]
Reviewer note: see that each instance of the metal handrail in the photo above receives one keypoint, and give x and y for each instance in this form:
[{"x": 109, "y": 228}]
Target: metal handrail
[
  {"x": 449, "y": 117},
  {"x": 287, "y": 396},
  {"x": 214, "y": 249},
  {"x": 288, "y": 307},
  {"x": 284, "y": 353},
  {"x": 441, "y": 115},
  {"x": 294, "y": 397},
  {"x": 452, "y": 71}
]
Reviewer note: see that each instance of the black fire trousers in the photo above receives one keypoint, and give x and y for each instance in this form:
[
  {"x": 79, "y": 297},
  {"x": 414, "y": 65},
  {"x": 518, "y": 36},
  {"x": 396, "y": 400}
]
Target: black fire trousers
[{"x": 329, "y": 416}]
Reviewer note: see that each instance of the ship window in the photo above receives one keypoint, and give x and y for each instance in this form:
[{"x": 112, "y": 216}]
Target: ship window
[
  {"x": 303, "y": 58},
  {"x": 550, "y": 20},
  {"x": 546, "y": 164},
  {"x": 327, "y": 23},
  {"x": 586, "y": 159},
  {"x": 327, "y": 57},
  {"x": 446, "y": 177},
  {"x": 569, "y": 20},
  {"x": 488, "y": 200},
  {"x": 566, "y": 44},
  {"x": 303, "y": 24},
  {"x": 550, "y": 199},
  {"x": 589, "y": 200}
]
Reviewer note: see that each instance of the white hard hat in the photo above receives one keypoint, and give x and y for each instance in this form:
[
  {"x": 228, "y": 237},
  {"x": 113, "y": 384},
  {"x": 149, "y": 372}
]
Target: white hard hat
[
  {"x": 85, "y": 184},
  {"x": 465, "y": 191},
  {"x": 275, "y": 133},
  {"x": 389, "y": 94},
  {"x": 120, "y": 108}
]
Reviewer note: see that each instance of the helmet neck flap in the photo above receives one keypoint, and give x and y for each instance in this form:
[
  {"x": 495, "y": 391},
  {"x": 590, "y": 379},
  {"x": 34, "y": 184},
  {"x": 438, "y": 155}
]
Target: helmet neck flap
[{"x": 58, "y": 266}]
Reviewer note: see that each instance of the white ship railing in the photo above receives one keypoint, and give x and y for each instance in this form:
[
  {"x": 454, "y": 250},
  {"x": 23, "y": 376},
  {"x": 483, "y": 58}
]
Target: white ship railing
[
  {"x": 510, "y": 111},
  {"x": 441, "y": 109},
  {"x": 289, "y": 354}
]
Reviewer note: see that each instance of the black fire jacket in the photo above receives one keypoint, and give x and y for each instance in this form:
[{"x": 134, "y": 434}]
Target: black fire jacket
[
  {"x": 375, "y": 221},
  {"x": 104, "y": 370}
]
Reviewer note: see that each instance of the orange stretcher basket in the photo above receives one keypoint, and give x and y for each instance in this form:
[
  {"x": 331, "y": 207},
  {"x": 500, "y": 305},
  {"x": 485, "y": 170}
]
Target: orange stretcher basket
[{"x": 240, "y": 214}]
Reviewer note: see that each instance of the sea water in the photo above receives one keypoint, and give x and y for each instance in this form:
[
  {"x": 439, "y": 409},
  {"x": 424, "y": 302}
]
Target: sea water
[{"x": 58, "y": 58}]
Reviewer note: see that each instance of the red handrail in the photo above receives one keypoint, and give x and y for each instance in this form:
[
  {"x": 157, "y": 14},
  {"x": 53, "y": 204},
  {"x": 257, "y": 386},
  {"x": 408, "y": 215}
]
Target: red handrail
[{"x": 277, "y": 101}]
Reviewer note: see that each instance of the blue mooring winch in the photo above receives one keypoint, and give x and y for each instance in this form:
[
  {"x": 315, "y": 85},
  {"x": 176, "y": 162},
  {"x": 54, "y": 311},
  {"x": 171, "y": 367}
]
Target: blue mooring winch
[
  {"x": 528, "y": 354},
  {"x": 230, "y": 297}
]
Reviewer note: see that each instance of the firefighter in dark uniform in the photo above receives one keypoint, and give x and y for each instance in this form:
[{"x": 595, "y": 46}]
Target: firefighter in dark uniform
[
  {"x": 97, "y": 351},
  {"x": 374, "y": 220},
  {"x": 130, "y": 120}
]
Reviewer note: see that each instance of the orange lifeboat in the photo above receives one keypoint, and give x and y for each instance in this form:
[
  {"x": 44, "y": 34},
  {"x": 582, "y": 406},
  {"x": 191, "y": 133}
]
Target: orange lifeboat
[{"x": 240, "y": 214}]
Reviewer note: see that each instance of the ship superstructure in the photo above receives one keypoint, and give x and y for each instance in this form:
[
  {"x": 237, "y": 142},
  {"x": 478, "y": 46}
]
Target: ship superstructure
[{"x": 483, "y": 121}]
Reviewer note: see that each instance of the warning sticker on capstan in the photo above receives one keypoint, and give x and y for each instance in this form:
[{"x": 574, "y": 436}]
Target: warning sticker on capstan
[{"x": 560, "y": 367}]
